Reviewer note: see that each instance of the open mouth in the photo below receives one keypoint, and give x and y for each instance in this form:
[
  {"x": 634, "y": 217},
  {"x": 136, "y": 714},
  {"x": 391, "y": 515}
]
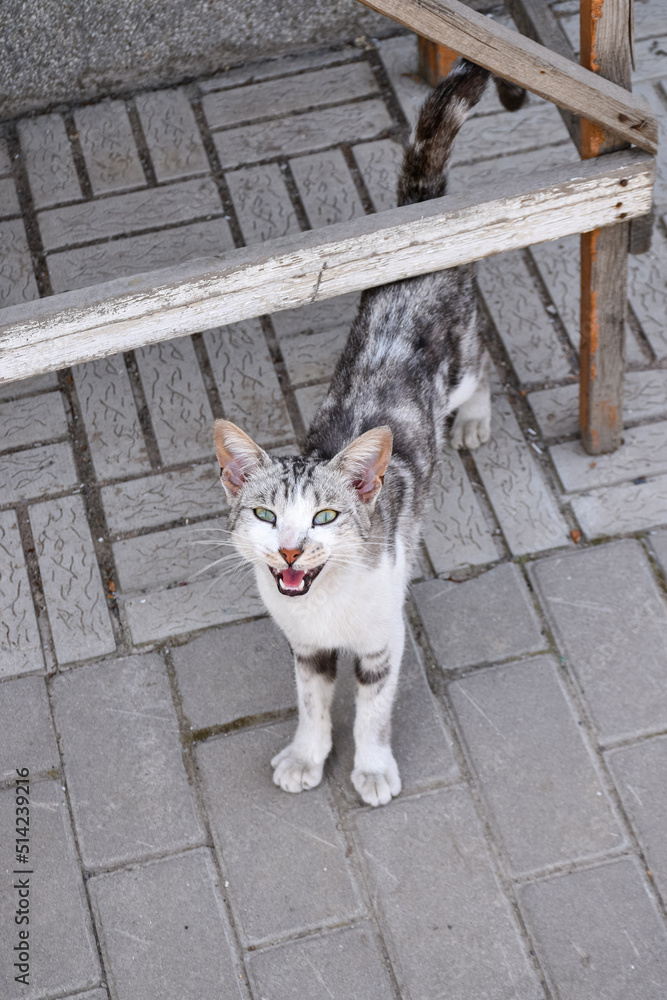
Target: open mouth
[{"x": 294, "y": 582}]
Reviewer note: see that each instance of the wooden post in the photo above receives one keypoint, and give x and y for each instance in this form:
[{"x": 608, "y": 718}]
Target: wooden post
[
  {"x": 435, "y": 60},
  {"x": 605, "y": 49}
]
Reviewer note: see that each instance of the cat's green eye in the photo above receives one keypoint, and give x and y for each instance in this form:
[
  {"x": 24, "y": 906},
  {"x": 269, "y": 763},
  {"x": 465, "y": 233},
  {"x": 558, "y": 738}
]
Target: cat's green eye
[
  {"x": 325, "y": 517},
  {"x": 265, "y": 515}
]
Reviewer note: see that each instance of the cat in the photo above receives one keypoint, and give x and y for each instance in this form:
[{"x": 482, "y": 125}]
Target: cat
[{"x": 334, "y": 533}]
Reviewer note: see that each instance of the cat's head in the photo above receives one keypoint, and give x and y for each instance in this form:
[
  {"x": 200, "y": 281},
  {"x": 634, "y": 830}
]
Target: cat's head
[{"x": 300, "y": 516}]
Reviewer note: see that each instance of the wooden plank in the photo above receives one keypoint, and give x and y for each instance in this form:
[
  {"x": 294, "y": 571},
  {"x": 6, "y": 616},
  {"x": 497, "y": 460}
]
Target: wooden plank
[
  {"x": 522, "y": 61},
  {"x": 434, "y": 61},
  {"x": 307, "y": 267},
  {"x": 605, "y": 50}
]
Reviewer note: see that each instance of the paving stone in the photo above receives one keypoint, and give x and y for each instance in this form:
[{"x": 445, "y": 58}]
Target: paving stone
[
  {"x": 63, "y": 954},
  {"x": 421, "y": 743},
  {"x": 28, "y": 386},
  {"x": 456, "y": 532},
  {"x": 28, "y": 739},
  {"x": 528, "y": 164},
  {"x": 20, "y": 648},
  {"x": 167, "y": 496},
  {"x": 9, "y": 203},
  {"x": 597, "y": 933},
  {"x": 5, "y": 162},
  {"x": 659, "y": 545},
  {"x": 163, "y": 927},
  {"x": 557, "y": 410},
  {"x": 651, "y": 92},
  {"x": 518, "y": 493},
  {"x": 448, "y": 929},
  {"x": 27, "y": 421},
  {"x": 610, "y": 619},
  {"x": 117, "y": 718},
  {"x": 171, "y": 134},
  {"x": 647, "y": 291},
  {"x": 326, "y": 188},
  {"x": 247, "y": 381},
  {"x": 37, "y": 472},
  {"x": 534, "y": 126},
  {"x": 273, "y": 68},
  {"x": 348, "y": 964},
  {"x": 620, "y": 509},
  {"x": 309, "y": 400},
  {"x": 643, "y": 453},
  {"x": 108, "y": 147},
  {"x": 524, "y": 325},
  {"x": 48, "y": 159},
  {"x": 317, "y": 316},
  {"x": 312, "y": 356},
  {"x": 71, "y": 581},
  {"x": 177, "y": 401},
  {"x": 115, "y": 436},
  {"x": 287, "y": 137},
  {"x": 293, "y": 93},
  {"x": 538, "y": 776},
  {"x": 17, "y": 279},
  {"x": 129, "y": 213},
  {"x": 172, "y": 556},
  {"x": 262, "y": 202},
  {"x": 650, "y": 18},
  {"x": 283, "y": 854},
  {"x": 235, "y": 672},
  {"x": 93, "y": 995},
  {"x": 199, "y": 604},
  {"x": 479, "y": 621},
  {"x": 380, "y": 165},
  {"x": 89, "y": 265}
]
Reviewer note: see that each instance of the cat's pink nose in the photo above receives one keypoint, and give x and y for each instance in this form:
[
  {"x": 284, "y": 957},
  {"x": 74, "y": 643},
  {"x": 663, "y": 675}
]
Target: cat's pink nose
[{"x": 290, "y": 555}]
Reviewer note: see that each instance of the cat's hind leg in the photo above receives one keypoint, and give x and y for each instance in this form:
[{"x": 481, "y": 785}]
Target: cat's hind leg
[
  {"x": 472, "y": 424},
  {"x": 299, "y": 766}
]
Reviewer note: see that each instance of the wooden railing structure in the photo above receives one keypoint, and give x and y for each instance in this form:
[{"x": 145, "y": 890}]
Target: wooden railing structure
[{"x": 597, "y": 197}]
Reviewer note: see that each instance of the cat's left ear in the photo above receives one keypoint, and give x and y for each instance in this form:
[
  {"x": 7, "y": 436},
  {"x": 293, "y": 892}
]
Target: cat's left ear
[
  {"x": 365, "y": 462},
  {"x": 238, "y": 455}
]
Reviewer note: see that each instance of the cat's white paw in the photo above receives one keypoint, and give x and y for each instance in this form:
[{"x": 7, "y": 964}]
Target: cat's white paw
[
  {"x": 294, "y": 772},
  {"x": 470, "y": 433},
  {"x": 377, "y": 787}
]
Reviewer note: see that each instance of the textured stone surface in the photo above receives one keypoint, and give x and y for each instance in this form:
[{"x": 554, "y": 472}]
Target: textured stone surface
[
  {"x": 598, "y": 934},
  {"x": 9, "y": 203},
  {"x": 48, "y": 159},
  {"x": 525, "y": 327},
  {"x": 522, "y": 502},
  {"x": 235, "y": 672},
  {"x": 448, "y": 929},
  {"x": 309, "y": 400},
  {"x": 647, "y": 291},
  {"x": 455, "y": 532},
  {"x": 128, "y": 213},
  {"x": 27, "y": 738},
  {"x": 610, "y": 619},
  {"x": 117, "y": 718},
  {"x": 20, "y": 648},
  {"x": 172, "y": 556},
  {"x": 380, "y": 165},
  {"x": 148, "y": 252},
  {"x": 108, "y": 147},
  {"x": 177, "y": 402},
  {"x": 63, "y": 954},
  {"x": 257, "y": 71},
  {"x": 534, "y": 126},
  {"x": 27, "y": 386},
  {"x": 619, "y": 509},
  {"x": 115, "y": 436},
  {"x": 536, "y": 772},
  {"x": 484, "y": 173},
  {"x": 162, "y": 498},
  {"x": 318, "y": 316},
  {"x": 485, "y": 619},
  {"x": 639, "y": 773},
  {"x": 71, "y": 581},
  {"x": 294, "y": 93},
  {"x": 301, "y": 134},
  {"x": 247, "y": 381},
  {"x": 27, "y": 421},
  {"x": 5, "y": 162},
  {"x": 171, "y": 133},
  {"x": 313, "y": 356},
  {"x": 262, "y": 203},
  {"x": 284, "y": 854},
  {"x": 643, "y": 453},
  {"x": 17, "y": 280},
  {"x": 37, "y": 472},
  {"x": 346, "y": 965},
  {"x": 326, "y": 188},
  {"x": 163, "y": 925}
]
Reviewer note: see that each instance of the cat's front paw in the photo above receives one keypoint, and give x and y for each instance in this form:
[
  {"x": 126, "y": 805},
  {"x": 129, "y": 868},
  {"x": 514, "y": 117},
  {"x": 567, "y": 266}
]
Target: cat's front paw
[
  {"x": 470, "y": 433},
  {"x": 376, "y": 787},
  {"x": 294, "y": 771}
]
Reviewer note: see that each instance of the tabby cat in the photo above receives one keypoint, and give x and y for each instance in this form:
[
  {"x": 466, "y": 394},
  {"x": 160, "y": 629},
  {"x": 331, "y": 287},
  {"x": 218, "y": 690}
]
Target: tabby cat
[{"x": 333, "y": 534}]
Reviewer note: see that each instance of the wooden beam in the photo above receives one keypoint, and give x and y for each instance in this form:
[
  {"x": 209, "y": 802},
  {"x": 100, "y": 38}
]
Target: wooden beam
[
  {"x": 522, "y": 61},
  {"x": 307, "y": 267}
]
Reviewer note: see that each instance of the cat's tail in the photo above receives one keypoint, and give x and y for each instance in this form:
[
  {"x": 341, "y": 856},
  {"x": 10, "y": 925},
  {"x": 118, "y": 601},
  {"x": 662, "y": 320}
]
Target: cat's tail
[{"x": 442, "y": 115}]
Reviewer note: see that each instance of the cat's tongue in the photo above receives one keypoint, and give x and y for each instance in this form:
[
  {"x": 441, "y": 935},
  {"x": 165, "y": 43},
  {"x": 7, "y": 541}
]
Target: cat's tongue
[{"x": 292, "y": 578}]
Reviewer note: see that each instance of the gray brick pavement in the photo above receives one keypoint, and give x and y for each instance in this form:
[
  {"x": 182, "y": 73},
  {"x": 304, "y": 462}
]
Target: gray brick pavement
[
  {"x": 48, "y": 159},
  {"x": 17, "y": 280},
  {"x": 20, "y": 647},
  {"x": 108, "y": 146},
  {"x": 326, "y": 188},
  {"x": 262, "y": 203},
  {"x": 28, "y": 739},
  {"x": 28, "y": 421},
  {"x": 171, "y": 134},
  {"x": 152, "y": 501},
  {"x": 37, "y": 472}
]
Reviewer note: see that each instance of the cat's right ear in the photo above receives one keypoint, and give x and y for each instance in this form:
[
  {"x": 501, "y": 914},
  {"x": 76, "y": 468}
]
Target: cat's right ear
[{"x": 238, "y": 455}]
